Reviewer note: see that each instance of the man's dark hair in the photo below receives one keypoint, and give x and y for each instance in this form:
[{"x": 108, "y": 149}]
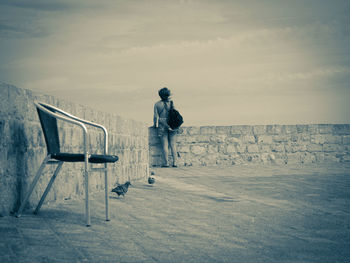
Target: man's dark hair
[{"x": 164, "y": 93}]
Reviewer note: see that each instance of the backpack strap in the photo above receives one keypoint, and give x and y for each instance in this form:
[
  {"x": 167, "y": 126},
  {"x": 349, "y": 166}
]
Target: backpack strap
[{"x": 166, "y": 107}]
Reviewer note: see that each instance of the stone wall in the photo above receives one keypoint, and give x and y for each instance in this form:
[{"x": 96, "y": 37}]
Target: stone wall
[
  {"x": 23, "y": 148},
  {"x": 281, "y": 144}
]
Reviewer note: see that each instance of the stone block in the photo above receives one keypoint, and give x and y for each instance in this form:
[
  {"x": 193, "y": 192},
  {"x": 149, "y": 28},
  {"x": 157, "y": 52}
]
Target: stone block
[
  {"x": 202, "y": 138},
  {"x": 278, "y": 147},
  {"x": 225, "y": 160},
  {"x": 325, "y": 128},
  {"x": 291, "y": 129},
  {"x": 223, "y": 129},
  {"x": 346, "y": 139},
  {"x": 328, "y": 138},
  {"x": 4, "y": 131},
  {"x": 302, "y": 128},
  {"x": 280, "y": 138},
  {"x": 230, "y": 148},
  {"x": 183, "y": 148},
  {"x": 265, "y": 139},
  {"x": 259, "y": 129},
  {"x": 213, "y": 148},
  {"x": 333, "y": 148},
  {"x": 198, "y": 149},
  {"x": 341, "y": 129},
  {"x": 242, "y": 129},
  {"x": 319, "y": 156},
  {"x": 314, "y": 147},
  {"x": 232, "y": 140},
  {"x": 265, "y": 158},
  {"x": 313, "y": 129},
  {"x": 308, "y": 158},
  {"x": 305, "y": 137},
  {"x": 253, "y": 148},
  {"x": 18, "y": 137},
  {"x": 182, "y": 139},
  {"x": 209, "y": 159},
  {"x": 280, "y": 158},
  {"x": 222, "y": 148},
  {"x": 208, "y": 130},
  {"x": 241, "y": 148},
  {"x": 220, "y": 138},
  {"x": 299, "y": 147},
  {"x": 252, "y": 158},
  {"x": 288, "y": 148},
  {"x": 346, "y": 158},
  {"x": 248, "y": 139},
  {"x": 275, "y": 129},
  {"x": 317, "y": 139},
  {"x": 5, "y": 102},
  {"x": 192, "y": 130},
  {"x": 3, "y": 162},
  {"x": 293, "y": 158},
  {"x": 264, "y": 148},
  {"x": 294, "y": 138},
  {"x": 330, "y": 157}
]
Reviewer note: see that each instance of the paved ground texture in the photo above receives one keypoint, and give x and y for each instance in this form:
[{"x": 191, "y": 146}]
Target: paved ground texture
[{"x": 204, "y": 214}]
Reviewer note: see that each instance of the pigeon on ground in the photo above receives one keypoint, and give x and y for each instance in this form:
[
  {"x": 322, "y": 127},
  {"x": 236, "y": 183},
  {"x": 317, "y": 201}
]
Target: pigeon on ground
[{"x": 121, "y": 189}]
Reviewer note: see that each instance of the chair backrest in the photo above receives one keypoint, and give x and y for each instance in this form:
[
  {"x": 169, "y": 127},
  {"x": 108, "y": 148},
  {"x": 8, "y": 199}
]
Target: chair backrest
[{"x": 49, "y": 127}]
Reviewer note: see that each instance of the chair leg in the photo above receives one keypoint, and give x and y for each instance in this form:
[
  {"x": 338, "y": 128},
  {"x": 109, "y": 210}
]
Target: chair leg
[
  {"x": 87, "y": 203},
  {"x": 106, "y": 193},
  {"x": 32, "y": 186},
  {"x": 48, "y": 187}
]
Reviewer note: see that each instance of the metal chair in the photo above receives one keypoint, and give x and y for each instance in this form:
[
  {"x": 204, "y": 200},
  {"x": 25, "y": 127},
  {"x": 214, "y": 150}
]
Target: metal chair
[{"x": 48, "y": 116}]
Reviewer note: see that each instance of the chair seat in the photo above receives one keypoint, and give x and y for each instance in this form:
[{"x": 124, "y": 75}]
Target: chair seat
[{"x": 79, "y": 157}]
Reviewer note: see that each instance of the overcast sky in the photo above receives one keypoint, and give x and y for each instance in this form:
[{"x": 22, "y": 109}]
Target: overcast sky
[{"x": 226, "y": 62}]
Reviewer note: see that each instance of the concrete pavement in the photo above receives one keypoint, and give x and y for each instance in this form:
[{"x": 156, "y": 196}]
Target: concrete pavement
[{"x": 198, "y": 214}]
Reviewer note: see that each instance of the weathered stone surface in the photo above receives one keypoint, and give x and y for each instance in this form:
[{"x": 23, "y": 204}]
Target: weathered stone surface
[
  {"x": 241, "y": 148},
  {"x": 265, "y": 148},
  {"x": 281, "y": 138},
  {"x": 213, "y": 148},
  {"x": 223, "y": 129},
  {"x": 293, "y": 158},
  {"x": 341, "y": 129},
  {"x": 265, "y": 139},
  {"x": 220, "y": 138},
  {"x": 248, "y": 139},
  {"x": 275, "y": 129},
  {"x": 208, "y": 130},
  {"x": 259, "y": 129},
  {"x": 346, "y": 139},
  {"x": 198, "y": 149},
  {"x": 278, "y": 147},
  {"x": 302, "y": 128},
  {"x": 291, "y": 129},
  {"x": 192, "y": 130},
  {"x": 231, "y": 148},
  {"x": 332, "y": 148},
  {"x": 253, "y": 148},
  {"x": 242, "y": 129},
  {"x": 314, "y": 148},
  {"x": 232, "y": 140},
  {"x": 325, "y": 128}
]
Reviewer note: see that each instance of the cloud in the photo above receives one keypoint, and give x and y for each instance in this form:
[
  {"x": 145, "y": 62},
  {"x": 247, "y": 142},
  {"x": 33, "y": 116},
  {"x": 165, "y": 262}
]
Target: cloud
[
  {"x": 220, "y": 55},
  {"x": 41, "y": 5}
]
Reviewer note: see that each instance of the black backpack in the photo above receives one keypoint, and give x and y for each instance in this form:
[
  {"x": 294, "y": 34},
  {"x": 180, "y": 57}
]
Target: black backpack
[{"x": 174, "y": 117}]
